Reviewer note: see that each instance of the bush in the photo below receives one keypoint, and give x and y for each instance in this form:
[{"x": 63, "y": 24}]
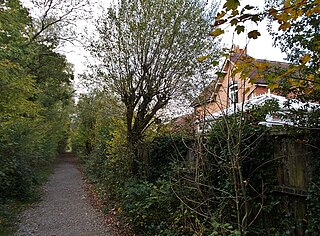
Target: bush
[{"x": 151, "y": 206}]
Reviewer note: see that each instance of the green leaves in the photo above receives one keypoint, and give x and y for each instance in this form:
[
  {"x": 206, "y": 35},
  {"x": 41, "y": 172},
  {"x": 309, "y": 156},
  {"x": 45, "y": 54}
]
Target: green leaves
[{"x": 33, "y": 123}]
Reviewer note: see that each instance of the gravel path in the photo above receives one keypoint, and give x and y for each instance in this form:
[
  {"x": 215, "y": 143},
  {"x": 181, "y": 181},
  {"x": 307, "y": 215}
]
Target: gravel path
[{"x": 65, "y": 209}]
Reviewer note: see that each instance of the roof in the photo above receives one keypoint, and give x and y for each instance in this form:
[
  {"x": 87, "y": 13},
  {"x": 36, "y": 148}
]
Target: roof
[
  {"x": 269, "y": 66},
  {"x": 208, "y": 94}
]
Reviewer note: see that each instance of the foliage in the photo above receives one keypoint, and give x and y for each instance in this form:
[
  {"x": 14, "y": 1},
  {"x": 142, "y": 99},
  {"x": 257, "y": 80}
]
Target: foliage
[
  {"x": 297, "y": 36},
  {"x": 190, "y": 189},
  {"x": 35, "y": 99},
  {"x": 151, "y": 207},
  {"x": 147, "y": 50},
  {"x": 313, "y": 199},
  {"x": 221, "y": 184},
  {"x": 148, "y": 203},
  {"x": 166, "y": 150},
  {"x": 98, "y": 138},
  {"x": 227, "y": 185}
]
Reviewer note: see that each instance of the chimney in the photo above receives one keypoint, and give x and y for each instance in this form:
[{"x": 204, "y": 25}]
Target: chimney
[{"x": 236, "y": 49}]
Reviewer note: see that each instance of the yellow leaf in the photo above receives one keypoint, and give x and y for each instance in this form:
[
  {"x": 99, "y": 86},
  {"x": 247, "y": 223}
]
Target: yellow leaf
[
  {"x": 305, "y": 59},
  {"x": 296, "y": 13},
  {"x": 216, "y": 32},
  {"x": 309, "y": 12},
  {"x": 261, "y": 65},
  {"x": 201, "y": 59},
  {"x": 310, "y": 77},
  {"x": 220, "y": 15},
  {"x": 273, "y": 86},
  {"x": 283, "y": 17},
  {"x": 285, "y": 26},
  {"x": 231, "y": 4},
  {"x": 272, "y": 12},
  {"x": 287, "y": 4},
  {"x": 308, "y": 90}
]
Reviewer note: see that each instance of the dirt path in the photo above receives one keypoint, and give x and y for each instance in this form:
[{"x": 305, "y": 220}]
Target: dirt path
[{"x": 65, "y": 209}]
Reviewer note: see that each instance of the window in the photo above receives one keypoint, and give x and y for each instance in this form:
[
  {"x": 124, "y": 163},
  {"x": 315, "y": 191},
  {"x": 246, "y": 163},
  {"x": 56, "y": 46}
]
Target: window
[{"x": 233, "y": 92}]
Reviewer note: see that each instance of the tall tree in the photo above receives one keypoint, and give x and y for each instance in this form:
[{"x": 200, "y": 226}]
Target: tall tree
[
  {"x": 16, "y": 84},
  {"x": 35, "y": 90},
  {"x": 148, "y": 52}
]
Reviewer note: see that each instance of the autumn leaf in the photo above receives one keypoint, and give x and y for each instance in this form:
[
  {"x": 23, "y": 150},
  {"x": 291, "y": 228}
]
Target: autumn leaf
[
  {"x": 273, "y": 86},
  {"x": 244, "y": 17},
  {"x": 272, "y": 12},
  {"x": 254, "y": 34},
  {"x": 305, "y": 59},
  {"x": 216, "y": 32},
  {"x": 310, "y": 77},
  {"x": 240, "y": 29},
  {"x": 220, "y": 15},
  {"x": 287, "y": 4},
  {"x": 255, "y": 18},
  {"x": 284, "y": 17},
  {"x": 231, "y": 4},
  {"x": 261, "y": 66},
  {"x": 219, "y": 22},
  {"x": 248, "y": 7},
  {"x": 201, "y": 59},
  {"x": 308, "y": 90},
  {"x": 233, "y": 22},
  {"x": 285, "y": 26},
  {"x": 234, "y": 13}
]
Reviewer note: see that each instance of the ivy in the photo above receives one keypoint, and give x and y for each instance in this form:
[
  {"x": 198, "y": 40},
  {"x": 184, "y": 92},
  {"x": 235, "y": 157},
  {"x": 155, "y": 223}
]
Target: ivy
[{"x": 313, "y": 200}]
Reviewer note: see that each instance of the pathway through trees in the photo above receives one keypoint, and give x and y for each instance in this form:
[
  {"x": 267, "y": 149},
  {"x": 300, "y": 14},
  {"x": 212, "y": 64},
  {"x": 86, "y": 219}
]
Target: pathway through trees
[{"x": 65, "y": 209}]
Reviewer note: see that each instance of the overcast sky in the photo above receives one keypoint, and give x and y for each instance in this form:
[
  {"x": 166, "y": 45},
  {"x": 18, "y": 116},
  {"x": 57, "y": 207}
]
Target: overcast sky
[{"x": 259, "y": 48}]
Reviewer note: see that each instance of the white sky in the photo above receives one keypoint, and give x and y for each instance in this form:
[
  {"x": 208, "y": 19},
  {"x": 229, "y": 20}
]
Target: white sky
[{"x": 259, "y": 48}]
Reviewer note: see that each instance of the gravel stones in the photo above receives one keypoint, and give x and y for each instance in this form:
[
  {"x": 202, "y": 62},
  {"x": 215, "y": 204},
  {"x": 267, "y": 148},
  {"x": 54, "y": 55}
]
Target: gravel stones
[{"x": 65, "y": 209}]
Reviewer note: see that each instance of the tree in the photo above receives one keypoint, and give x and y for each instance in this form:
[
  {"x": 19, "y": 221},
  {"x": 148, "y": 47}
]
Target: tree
[
  {"x": 54, "y": 21},
  {"x": 35, "y": 92},
  {"x": 148, "y": 52},
  {"x": 297, "y": 35},
  {"x": 17, "y": 85}
]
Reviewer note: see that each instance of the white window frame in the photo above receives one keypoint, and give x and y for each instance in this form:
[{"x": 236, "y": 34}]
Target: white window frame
[{"x": 233, "y": 92}]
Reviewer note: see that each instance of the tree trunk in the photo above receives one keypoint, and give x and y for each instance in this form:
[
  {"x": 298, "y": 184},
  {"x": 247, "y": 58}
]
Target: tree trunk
[{"x": 134, "y": 140}]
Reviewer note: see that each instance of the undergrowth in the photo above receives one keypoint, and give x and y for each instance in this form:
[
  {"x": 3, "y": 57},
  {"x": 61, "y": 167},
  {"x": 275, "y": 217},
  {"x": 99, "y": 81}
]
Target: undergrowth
[{"x": 11, "y": 207}]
